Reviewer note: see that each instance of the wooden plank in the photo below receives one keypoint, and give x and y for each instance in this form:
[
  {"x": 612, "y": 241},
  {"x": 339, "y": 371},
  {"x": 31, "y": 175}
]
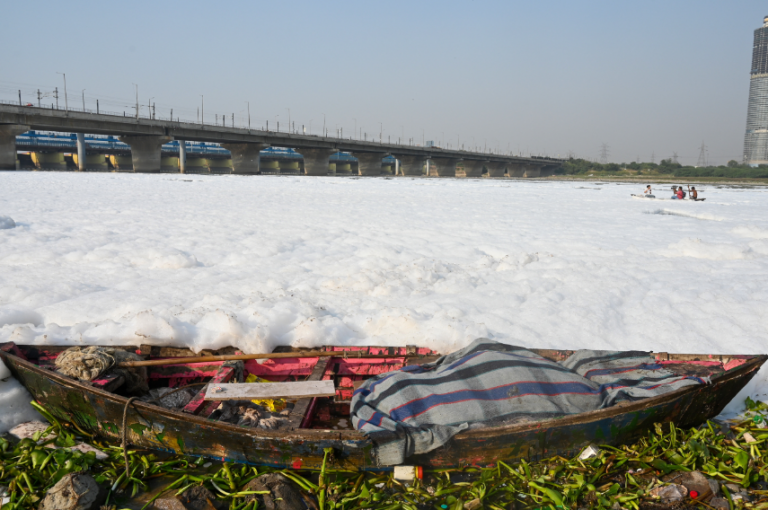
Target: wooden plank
[
  {"x": 197, "y": 404},
  {"x": 250, "y": 391},
  {"x": 303, "y": 405}
]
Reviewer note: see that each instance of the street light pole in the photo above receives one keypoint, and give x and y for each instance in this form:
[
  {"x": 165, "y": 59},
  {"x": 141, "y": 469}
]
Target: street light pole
[
  {"x": 66, "y": 102},
  {"x": 83, "y": 100},
  {"x": 249, "y": 115},
  {"x": 137, "y": 100},
  {"x": 202, "y": 109}
]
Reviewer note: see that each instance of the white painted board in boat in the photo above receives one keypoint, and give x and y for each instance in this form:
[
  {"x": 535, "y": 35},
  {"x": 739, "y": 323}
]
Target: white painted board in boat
[{"x": 251, "y": 391}]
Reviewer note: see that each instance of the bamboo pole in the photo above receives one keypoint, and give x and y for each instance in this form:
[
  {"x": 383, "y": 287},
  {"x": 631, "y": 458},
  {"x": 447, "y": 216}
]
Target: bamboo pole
[{"x": 274, "y": 355}]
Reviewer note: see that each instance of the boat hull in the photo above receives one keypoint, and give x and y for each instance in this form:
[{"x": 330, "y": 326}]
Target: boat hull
[{"x": 153, "y": 427}]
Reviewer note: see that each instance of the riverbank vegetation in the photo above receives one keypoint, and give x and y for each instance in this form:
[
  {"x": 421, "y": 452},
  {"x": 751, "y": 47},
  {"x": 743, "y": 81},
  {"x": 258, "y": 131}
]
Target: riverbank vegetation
[
  {"x": 712, "y": 466},
  {"x": 665, "y": 169}
]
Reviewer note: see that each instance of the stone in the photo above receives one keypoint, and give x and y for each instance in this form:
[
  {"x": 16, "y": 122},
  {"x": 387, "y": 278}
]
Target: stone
[
  {"x": 75, "y": 491},
  {"x": 284, "y": 494},
  {"x": 195, "y": 498},
  {"x": 741, "y": 495},
  {"x": 473, "y": 504},
  {"x": 670, "y": 493},
  {"x": 719, "y": 503},
  {"x": 732, "y": 488},
  {"x": 714, "y": 486},
  {"x": 692, "y": 481}
]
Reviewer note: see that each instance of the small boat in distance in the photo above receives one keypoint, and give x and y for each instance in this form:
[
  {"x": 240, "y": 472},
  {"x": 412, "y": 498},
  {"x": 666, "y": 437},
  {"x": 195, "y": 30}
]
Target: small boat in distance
[
  {"x": 314, "y": 423},
  {"x": 653, "y": 197}
]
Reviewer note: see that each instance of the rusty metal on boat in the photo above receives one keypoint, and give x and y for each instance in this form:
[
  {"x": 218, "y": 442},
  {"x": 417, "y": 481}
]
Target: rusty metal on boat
[{"x": 319, "y": 423}]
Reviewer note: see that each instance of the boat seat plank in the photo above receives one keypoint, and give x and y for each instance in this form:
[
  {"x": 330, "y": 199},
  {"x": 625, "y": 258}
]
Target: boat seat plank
[
  {"x": 290, "y": 390},
  {"x": 303, "y": 405}
]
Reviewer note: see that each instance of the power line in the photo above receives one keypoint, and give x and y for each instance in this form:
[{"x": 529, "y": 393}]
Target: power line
[
  {"x": 604, "y": 152},
  {"x": 702, "y": 155}
]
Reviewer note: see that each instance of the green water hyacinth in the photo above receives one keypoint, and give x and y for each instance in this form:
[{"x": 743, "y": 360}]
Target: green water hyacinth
[{"x": 623, "y": 476}]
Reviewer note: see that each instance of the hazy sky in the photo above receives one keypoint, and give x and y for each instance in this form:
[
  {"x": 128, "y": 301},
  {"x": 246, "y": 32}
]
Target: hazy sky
[{"x": 553, "y": 77}]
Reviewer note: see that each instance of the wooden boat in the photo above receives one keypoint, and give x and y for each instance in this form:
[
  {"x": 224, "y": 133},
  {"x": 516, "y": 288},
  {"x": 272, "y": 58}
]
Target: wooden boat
[{"x": 318, "y": 423}]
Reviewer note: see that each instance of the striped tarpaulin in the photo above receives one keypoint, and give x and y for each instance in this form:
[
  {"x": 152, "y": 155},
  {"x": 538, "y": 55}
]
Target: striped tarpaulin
[{"x": 419, "y": 408}]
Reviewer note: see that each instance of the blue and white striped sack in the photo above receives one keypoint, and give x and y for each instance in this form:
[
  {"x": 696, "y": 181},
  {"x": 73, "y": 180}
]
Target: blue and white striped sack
[{"x": 420, "y": 407}]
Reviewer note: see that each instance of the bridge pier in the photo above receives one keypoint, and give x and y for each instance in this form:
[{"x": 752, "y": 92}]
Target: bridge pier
[
  {"x": 496, "y": 168},
  {"x": 8, "y": 134},
  {"x": 517, "y": 169},
  {"x": 290, "y": 166},
  {"x": 343, "y": 168},
  {"x": 121, "y": 163},
  {"x": 81, "y": 160},
  {"x": 369, "y": 163},
  {"x": 245, "y": 157},
  {"x": 196, "y": 165},
  {"x": 547, "y": 171},
  {"x": 145, "y": 151},
  {"x": 182, "y": 156},
  {"x": 49, "y": 161},
  {"x": 533, "y": 171},
  {"x": 443, "y": 167},
  {"x": 94, "y": 162},
  {"x": 473, "y": 168},
  {"x": 412, "y": 165},
  {"x": 316, "y": 161}
]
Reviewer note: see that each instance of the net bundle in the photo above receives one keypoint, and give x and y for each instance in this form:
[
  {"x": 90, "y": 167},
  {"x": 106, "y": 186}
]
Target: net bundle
[{"x": 89, "y": 363}]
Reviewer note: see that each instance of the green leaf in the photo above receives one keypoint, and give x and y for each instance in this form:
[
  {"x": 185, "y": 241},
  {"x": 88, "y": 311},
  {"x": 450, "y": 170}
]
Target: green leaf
[{"x": 742, "y": 459}]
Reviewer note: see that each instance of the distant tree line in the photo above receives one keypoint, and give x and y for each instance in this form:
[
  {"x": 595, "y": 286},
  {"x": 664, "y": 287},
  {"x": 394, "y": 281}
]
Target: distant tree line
[{"x": 733, "y": 169}]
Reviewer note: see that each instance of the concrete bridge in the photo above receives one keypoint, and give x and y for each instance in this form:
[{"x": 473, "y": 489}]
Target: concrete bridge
[
  {"x": 146, "y": 137},
  {"x": 45, "y": 150}
]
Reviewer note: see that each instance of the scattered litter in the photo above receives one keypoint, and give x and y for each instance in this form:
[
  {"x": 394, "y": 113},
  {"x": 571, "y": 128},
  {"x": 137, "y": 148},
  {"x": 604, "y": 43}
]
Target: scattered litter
[
  {"x": 408, "y": 473},
  {"x": 589, "y": 452},
  {"x": 86, "y": 448},
  {"x": 274, "y": 405},
  {"x": 31, "y": 429}
]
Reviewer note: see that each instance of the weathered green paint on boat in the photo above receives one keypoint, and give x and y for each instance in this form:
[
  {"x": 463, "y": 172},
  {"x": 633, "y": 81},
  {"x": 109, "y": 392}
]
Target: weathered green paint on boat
[{"x": 150, "y": 426}]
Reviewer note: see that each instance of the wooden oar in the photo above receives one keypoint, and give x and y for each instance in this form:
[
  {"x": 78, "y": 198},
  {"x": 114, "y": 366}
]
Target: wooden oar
[{"x": 274, "y": 355}]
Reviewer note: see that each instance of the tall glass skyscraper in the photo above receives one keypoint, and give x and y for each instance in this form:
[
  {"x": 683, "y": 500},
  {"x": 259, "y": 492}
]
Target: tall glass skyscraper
[{"x": 756, "y": 139}]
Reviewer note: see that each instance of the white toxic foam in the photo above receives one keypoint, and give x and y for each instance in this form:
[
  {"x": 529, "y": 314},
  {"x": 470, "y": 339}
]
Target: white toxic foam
[
  {"x": 261, "y": 261},
  {"x": 7, "y": 222}
]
